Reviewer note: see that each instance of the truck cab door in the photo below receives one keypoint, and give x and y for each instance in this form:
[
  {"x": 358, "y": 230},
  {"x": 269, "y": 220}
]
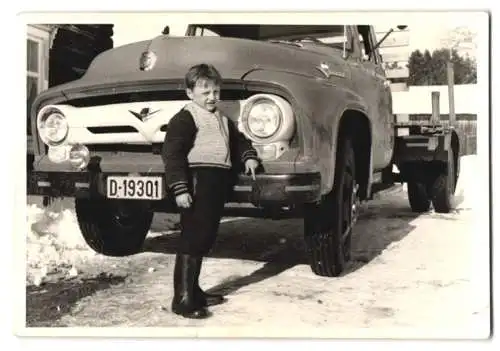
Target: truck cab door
[{"x": 380, "y": 98}]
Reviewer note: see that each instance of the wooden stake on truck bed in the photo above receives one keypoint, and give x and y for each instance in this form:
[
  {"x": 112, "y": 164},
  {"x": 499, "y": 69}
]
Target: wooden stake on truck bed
[
  {"x": 451, "y": 97},
  {"x": 435, "y": 108}
]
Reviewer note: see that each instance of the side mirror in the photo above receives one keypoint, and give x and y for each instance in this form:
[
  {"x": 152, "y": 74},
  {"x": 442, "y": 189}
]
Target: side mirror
[
  {"x": 166, "y": 30},
  {"x": 400, "y": 27}
]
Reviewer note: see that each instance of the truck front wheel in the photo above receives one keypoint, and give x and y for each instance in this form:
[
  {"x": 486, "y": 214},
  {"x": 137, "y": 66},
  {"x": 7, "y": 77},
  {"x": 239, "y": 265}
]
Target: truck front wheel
[
  {"x": 328, "y": 225},
  {"x": 113, "y": 227}
]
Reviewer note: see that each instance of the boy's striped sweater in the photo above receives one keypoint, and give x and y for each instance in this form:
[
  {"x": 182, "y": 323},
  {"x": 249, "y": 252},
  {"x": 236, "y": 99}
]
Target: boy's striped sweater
[{"x": 198, "y": 138}]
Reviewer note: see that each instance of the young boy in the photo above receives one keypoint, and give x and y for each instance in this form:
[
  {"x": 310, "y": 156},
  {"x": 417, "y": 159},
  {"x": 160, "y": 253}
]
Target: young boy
[{"x": 197, "y": 154}]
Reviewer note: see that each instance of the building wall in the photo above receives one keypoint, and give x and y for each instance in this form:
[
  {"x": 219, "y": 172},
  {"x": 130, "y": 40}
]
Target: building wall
[
  {"x": 37, "y": 65},
  {"x": 417, "y": 99},
  {"x": 38, "y": 41}
]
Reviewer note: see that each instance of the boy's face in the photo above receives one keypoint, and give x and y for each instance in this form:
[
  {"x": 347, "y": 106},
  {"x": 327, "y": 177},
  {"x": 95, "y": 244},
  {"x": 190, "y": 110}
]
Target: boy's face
[{"x": 205, "y": 94}]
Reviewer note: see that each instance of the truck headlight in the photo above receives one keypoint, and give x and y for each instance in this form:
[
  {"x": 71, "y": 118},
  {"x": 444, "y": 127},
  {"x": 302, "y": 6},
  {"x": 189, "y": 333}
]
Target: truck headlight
[
  {"x": 267, "y": 118},
  {"x": 264, "y": 118},
  {"x": 52, "y": 126}
]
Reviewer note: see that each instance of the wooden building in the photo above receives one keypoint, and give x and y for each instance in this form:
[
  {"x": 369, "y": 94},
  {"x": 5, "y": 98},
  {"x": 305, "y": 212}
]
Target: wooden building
[{"x": 59, "y": 53}]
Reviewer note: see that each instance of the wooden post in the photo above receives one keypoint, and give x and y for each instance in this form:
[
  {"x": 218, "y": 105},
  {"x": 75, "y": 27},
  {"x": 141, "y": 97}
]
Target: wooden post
[
  {"x": 435, "y": 107},
  {"x": 451, "y": 96}
]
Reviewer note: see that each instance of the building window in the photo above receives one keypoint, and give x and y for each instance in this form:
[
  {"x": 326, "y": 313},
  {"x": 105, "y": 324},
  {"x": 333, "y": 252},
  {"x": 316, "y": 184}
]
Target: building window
[
  {"x": 33, "y": 74},
  {"x": 36, "y": 66}
]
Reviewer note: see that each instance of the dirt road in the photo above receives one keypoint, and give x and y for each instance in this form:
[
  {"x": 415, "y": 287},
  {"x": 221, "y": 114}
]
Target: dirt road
[{"x": 411, "y": 276}]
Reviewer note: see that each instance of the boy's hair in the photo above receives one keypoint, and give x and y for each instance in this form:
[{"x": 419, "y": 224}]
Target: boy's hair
[{"x": 202, "y": 71}]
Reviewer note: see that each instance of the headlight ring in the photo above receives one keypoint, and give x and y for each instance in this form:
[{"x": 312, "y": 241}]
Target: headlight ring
[
  {"x": 272, "y": 118},
  {"x": 263, "y": 118},
  {"x": 52, "y": 126}
]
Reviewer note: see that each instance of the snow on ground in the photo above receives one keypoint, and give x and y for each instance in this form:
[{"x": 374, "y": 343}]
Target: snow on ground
[
  {"x": 54, "y": 239},
  {"x": 421, "y": 275}
]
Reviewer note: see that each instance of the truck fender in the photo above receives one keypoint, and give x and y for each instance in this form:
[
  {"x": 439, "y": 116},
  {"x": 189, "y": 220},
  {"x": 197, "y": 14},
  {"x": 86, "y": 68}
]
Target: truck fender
[
  {"x": 321, "y": 105},
  {"x": 364, "y": 160}
]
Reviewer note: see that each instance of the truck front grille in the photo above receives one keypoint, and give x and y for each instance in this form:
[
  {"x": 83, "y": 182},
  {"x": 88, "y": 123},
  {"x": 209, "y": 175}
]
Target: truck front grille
[
  {"x": 154, "y": 148},
  {"x": 112, "y": 129}
]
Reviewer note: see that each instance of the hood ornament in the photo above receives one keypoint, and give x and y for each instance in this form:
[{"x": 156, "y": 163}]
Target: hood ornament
[
  {"x": 144, "y": 114},
  {"x": 324, "y": 68},
  {"x": 147, "y": 60}
]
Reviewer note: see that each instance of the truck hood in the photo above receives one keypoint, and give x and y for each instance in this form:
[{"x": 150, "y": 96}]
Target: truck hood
[{"x": 233, "y": 57}]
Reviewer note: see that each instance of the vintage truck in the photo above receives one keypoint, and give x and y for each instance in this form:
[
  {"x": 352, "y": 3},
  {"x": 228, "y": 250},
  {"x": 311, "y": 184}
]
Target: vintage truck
[{"x": 313, "y": 99}]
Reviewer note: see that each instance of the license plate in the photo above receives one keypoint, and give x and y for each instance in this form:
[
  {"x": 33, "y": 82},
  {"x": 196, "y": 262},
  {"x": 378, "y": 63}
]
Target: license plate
[{"x": 135, "y": 187}]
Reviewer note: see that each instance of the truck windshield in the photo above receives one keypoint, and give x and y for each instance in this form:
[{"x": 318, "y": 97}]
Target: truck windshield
[{"x": 328, "y": 35}]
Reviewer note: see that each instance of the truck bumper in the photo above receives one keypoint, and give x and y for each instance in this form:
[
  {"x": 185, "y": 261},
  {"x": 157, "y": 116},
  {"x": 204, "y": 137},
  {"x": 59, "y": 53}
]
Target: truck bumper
[{"x": 282, "y": 184}]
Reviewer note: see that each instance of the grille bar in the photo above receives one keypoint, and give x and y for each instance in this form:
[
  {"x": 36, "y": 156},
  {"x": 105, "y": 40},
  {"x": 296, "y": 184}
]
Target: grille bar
[
  {"x": 112, "y": 129},
  {"x": 154, "y": 148}
]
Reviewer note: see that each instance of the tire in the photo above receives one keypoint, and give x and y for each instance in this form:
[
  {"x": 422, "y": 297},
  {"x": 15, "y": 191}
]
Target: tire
[
  {"x": 111, "y": 227},
  {"x": 327, "y": 250},
  {"x": 444, "y": 186},
  {"x": 418, "y": 196}
]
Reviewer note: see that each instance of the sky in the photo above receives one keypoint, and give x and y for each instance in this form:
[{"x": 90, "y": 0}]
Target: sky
[
  {"x": 424, "y": 35},
  {"x": 124, "y": 34}
]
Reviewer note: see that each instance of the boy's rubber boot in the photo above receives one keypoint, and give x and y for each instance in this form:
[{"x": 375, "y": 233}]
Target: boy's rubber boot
[
  {"x": 207, "y": 299},
  {"x": 185, "y": 301}
]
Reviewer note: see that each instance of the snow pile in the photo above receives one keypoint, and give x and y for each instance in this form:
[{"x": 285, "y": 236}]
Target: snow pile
[
  {"x": 466, "y": 193},
  {"x": 53, "y": 242}
]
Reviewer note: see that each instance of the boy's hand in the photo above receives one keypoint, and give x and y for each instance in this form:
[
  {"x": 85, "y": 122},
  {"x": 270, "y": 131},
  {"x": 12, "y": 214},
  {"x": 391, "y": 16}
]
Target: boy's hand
[
  {"x": 250, "y": 166},
  {"x": 183, "y": 200}
]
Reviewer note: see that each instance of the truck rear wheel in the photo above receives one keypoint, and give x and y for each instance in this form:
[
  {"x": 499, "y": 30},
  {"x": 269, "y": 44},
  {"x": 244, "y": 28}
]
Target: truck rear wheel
[
  {"x": 444, "y": 186},
  {"x": 419, "y": 197},
  {"x": 113, "y": 227},
  {"x": 328, "y": 225}
]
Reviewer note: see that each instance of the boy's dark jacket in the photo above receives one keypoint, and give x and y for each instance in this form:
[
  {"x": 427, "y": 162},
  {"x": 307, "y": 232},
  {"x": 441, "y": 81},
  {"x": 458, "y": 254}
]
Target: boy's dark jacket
[{"x": 179, "y": 139}]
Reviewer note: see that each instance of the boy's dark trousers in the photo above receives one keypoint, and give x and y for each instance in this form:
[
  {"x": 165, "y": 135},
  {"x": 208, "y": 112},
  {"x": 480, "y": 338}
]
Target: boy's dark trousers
[{"x": 200, "y": 223}]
